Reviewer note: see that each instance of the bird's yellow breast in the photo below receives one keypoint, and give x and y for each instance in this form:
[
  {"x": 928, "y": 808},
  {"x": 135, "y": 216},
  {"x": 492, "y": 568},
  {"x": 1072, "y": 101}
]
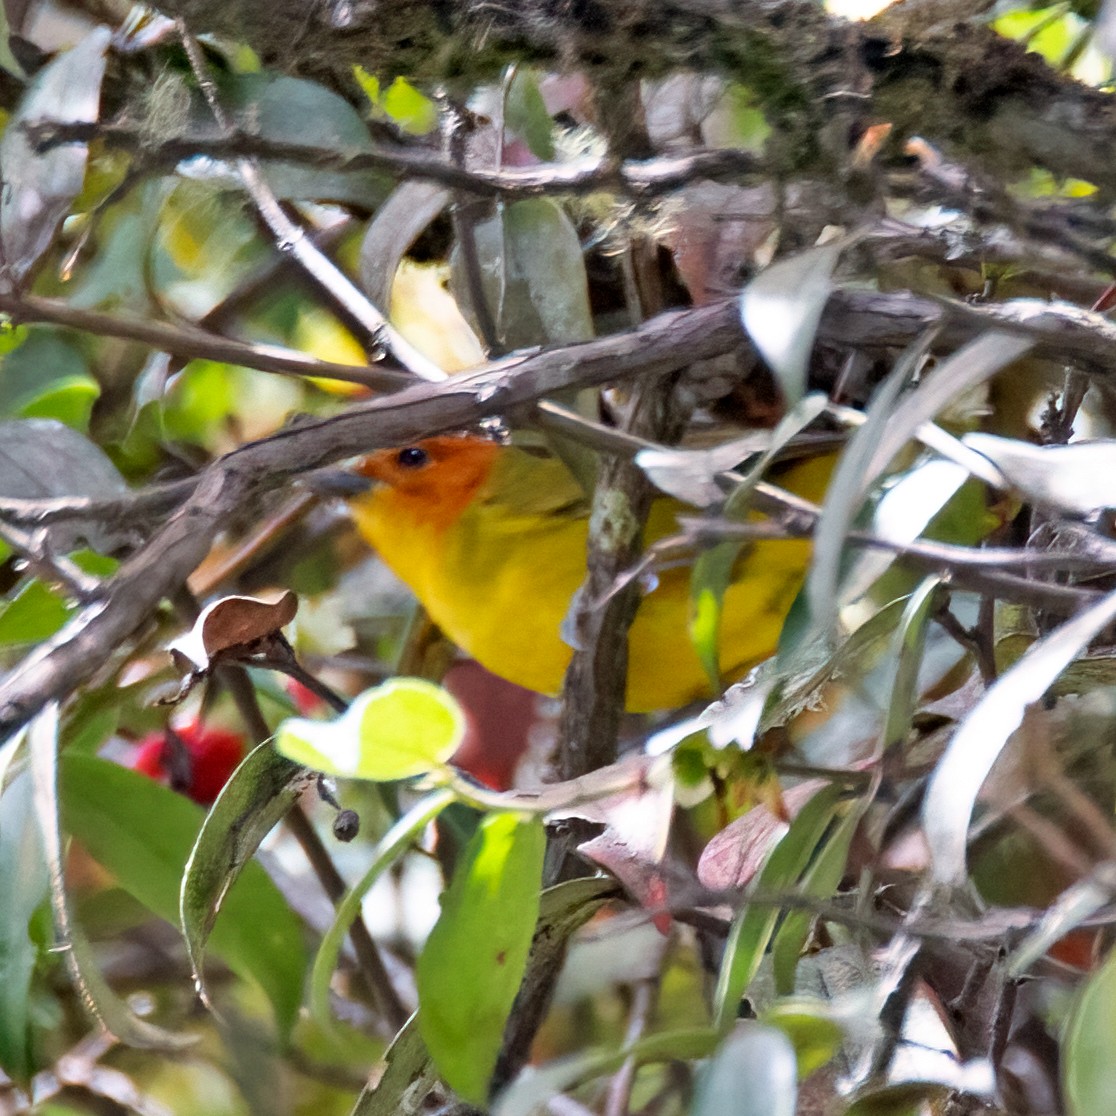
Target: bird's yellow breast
[{"x": 499, "y": 578}]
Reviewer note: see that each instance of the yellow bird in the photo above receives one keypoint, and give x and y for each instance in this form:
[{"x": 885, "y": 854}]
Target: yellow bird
[{"x": 492, "y": 540}]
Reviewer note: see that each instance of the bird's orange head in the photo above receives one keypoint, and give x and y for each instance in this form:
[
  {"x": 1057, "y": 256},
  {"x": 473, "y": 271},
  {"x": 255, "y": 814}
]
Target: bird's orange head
[{"x": 432, "y": 481}]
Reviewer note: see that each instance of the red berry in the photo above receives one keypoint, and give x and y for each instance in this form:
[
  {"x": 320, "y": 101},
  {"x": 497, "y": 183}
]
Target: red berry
[
  {"x": 198, "y": 763},
  {"x": 306, "y": 701}
]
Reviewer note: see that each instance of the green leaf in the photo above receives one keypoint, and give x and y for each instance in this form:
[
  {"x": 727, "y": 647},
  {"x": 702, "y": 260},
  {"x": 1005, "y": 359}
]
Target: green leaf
[
  {"x": 23, "y": 883},
  {"x": 401, "y": 103},
  {"x": 393, "y": 845},
  {"x": 909, "y": 650},
  {"x": 1089, "y": 1047},
  {"x": 258, "y": 794},
  {"x": 525, "y": 113},
  {"x": 474, "y": 960},
  {"x": 94, "y": 992},
  {"x": 403, "y": 728},
  {"x": 533, "y": 274},
  {"x": 754, "y": 1073},
  {"x": 34, "y": 614},
  {"x": 47, "y": 377},
  {"x": 753, "y": 926},
  {"x": 143, "y": 833},
  {"x": 820, "y": 880},
  {"x": 409, "y": 1072}
]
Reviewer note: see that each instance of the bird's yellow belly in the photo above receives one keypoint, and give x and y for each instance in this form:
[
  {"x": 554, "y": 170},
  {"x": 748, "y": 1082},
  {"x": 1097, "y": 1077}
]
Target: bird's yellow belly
[{"x": 501, "y": 592}]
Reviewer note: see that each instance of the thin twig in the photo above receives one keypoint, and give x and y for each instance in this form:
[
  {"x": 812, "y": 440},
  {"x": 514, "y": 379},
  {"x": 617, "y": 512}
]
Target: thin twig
[
  {"x": 292, "y": 238},
  {"x": 637, "y": 177},
  {"x": 375, "y": 975},
  {"x": 192, "y": 343}
]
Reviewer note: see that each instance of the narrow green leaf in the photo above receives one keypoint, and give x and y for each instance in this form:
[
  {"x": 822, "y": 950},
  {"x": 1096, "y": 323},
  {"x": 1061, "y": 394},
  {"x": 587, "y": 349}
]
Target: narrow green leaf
[
  {"x": 259, "y": 793},
  {"x": 23, "y": 883},
  {"x": 143, "y": 833},
  {"x": 394, "y": 843},
  {"x": 98, "y": 999},
  {"x": 473, "y": 962},
  {"x": 820, "y": 881},
  {"x": 753, "y": 926},
  {"x": 910, "y": 645}
]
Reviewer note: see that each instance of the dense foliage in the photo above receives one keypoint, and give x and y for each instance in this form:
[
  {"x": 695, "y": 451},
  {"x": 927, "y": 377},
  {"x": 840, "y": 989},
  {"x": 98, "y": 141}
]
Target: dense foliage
[{"x": 270, "y": 843}]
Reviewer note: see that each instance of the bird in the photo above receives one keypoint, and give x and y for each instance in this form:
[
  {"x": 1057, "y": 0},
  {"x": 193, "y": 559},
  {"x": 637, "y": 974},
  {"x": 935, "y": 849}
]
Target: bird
[{"x": 492, "y": 540}]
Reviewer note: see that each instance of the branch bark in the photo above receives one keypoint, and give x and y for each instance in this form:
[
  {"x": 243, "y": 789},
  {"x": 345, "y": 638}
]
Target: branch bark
[{"x": 954, "y": 82}]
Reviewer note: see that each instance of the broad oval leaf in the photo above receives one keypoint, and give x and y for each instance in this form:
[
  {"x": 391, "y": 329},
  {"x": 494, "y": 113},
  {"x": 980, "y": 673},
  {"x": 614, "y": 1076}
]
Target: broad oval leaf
[
  {"x": 754, "y": 1073},
  {"x": 400, "y": 729},
  {"x": 474, "y": 960},
  {"x": 1089, "y": 1046},
  {"x": 143, "y": 833},
  {"x": 39, "y": 187}
]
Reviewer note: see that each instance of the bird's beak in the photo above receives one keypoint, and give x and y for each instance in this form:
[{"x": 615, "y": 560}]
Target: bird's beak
[{"x": 338, "y": 483}]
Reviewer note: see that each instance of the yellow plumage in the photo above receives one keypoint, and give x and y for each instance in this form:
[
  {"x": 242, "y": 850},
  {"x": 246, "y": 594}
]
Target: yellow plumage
[{"x": 493, "y": 541}]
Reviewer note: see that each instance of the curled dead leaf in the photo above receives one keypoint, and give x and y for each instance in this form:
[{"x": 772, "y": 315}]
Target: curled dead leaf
[{"x": 233, "y": 628}]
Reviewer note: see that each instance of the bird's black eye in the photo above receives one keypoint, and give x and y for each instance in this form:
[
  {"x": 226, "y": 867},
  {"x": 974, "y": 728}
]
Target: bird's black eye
[{"x": 413, "y": 457}]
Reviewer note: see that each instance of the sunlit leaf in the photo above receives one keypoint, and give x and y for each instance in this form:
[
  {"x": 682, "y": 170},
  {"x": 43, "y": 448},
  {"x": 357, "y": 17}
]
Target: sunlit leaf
[
  {"x": 405, "y": 727},
  {"x": 471, "y": 967},
  {"x": 959, "y": 775},
  {"x": 1074, "y": 479}
]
